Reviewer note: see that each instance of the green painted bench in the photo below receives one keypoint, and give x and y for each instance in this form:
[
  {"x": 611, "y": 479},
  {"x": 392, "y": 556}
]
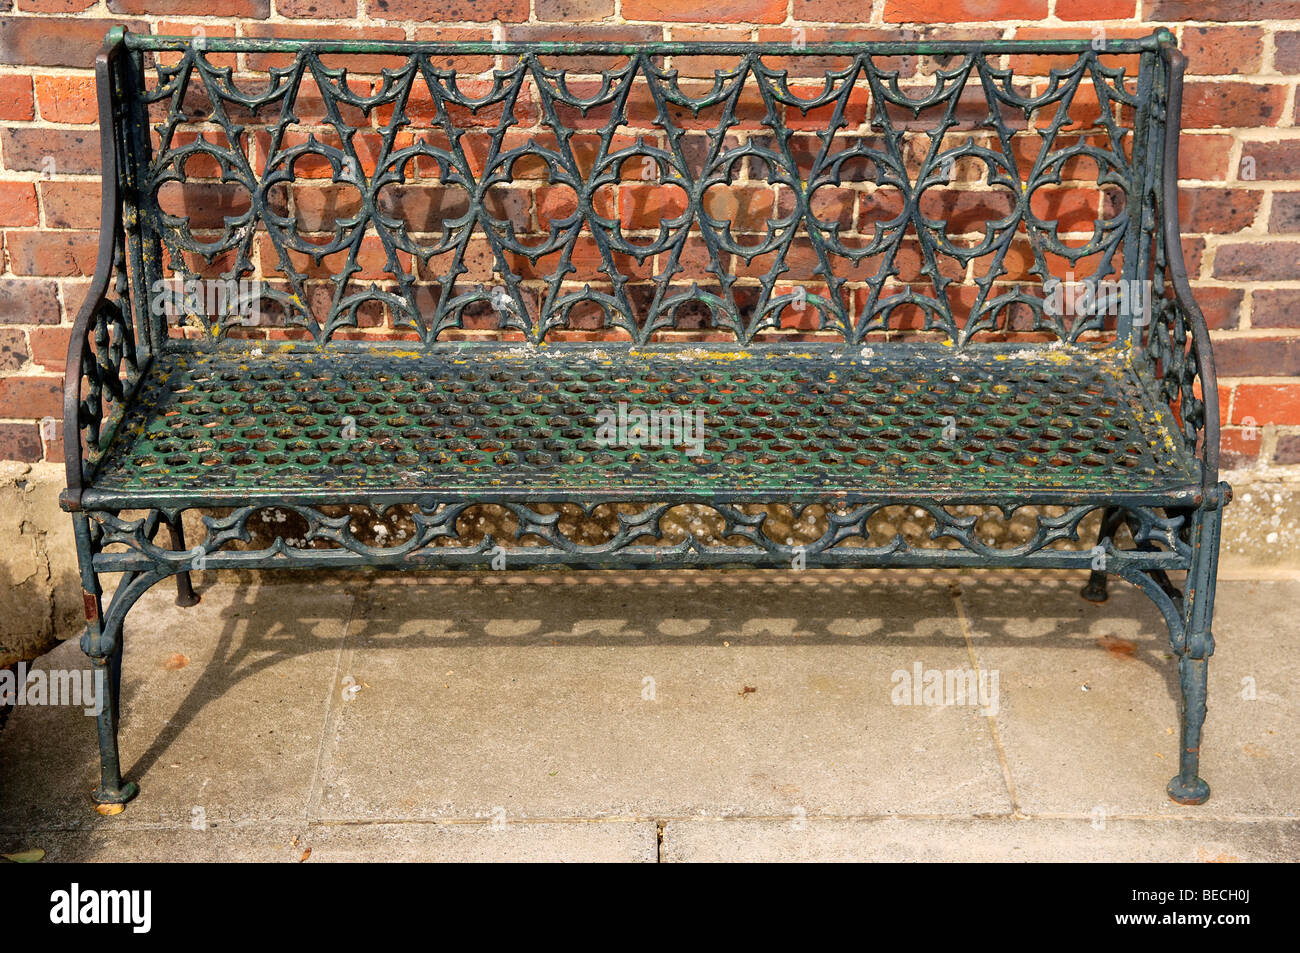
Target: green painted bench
[{"x": 415, "y": 279}]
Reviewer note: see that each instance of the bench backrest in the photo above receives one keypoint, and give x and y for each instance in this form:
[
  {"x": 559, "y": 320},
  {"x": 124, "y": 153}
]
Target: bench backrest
[{"x": 732, "y": 192}]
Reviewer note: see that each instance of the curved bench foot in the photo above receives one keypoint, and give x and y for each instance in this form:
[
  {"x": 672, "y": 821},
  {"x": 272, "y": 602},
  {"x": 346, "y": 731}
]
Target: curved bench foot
[
  {"x": 1095, "y": 590},
  {"x": 119, "y": 795},
  {"x": 1198, "y": 792}
]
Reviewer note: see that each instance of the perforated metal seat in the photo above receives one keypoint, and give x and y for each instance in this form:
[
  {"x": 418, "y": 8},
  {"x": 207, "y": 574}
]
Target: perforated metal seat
[{"x": 783, "y": 422}]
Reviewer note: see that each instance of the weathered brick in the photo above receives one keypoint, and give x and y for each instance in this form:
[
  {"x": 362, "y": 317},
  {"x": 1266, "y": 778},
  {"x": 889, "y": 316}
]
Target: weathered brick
[
  {"x": 28, "y": 301},
  {"x": 26, "y": 395},
  {"x": 688, "y": 11},
  {"x": 1285, "y": 214},
  {"x": 1260, "y": 405},
  {"x": 13, "y": 349},
  {"x": 1269, "y": 161},
  {"x": 1257, "y": 357},
  {"x": 1204, "y": 157},
  {"x": 17, "y": 204},
  {"x": 1287, "y": 450},
  {"x": 1231, "y": 104},
  {"x": 249, "y": 9},
  {"x": 833, "y": 11},
  {"x": 54, "y": 6},
  {"x": 16, "y": 102},
  {"x": 50, "y": 347},
  {"x": 1258, "y": 261},
  {"x": 1275, "y": 308},
  {"x": 571, "y": 11},
  {"x": 963, "y": 11},
  {"x": 69, "y": 99},
  {"x": 1096, "y": 9},
  {"x": 61, "y": 253},
  {"x": 1221, "y": 11},
  {"x": 452, "y": 11},
  {"x": 21, "y": 442},
  {"x": 317, "y": 9},
  {"x": 57, "y": 151},
  {"x": 1223, "y": 50},
  {"x": 70, "y": 204},
  {"x": 39, "y": 41},
  {"x": 1239, "y": 447},
  {"x": 356, "y": 64},
  {"x": 1286, "y": 51},
  {"x": 1218, "y": 211},
  {"x": 1221, "y": 306}
]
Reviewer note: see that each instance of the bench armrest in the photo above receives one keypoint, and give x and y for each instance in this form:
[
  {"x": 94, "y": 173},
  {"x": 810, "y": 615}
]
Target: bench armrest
[
  {"x": 1179, "y": 337},
  {"x": 103, "y": 362}
]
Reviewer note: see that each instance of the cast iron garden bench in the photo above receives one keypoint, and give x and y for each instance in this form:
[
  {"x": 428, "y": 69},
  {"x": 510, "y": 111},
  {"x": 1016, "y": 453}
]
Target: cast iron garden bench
[{"x": 414, "y": 279}]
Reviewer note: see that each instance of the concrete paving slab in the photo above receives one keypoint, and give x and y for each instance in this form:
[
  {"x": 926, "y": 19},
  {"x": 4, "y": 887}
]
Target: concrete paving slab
[
  {"x": 563, "y": 716},
  {"x": 1090, "y": 700},
  {"x": 571, "y": 842},
  {"x": 222, "y": 717},
  {"x": 545, "y": 698},
  {"x": 937, "y": 840}
]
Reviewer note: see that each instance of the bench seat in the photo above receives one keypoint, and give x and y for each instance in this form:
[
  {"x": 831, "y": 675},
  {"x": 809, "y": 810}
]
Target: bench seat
[{"x": 777, "y": 423}]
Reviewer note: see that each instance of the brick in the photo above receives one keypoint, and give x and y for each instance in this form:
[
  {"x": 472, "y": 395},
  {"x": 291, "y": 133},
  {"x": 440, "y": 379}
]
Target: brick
[
  {"x": 688, "y": 11},
  {"x": 1221, "y": 11},
  {"x": 1285, "y": 214},
  {"x": 1096, "y": 9},
  {"x": 20, "y": 442},
  {"x": 1218, "y": 211},
  {"x": 1223, "y": 50},
  {"x": 1270, "y": 161},
  {"x": 1204, "y": 157},
  {"x": 54, "y": 6},
  {"x": 568, "y": 11},
  {"x": 73, "y": 151},
  {"x": 254, "y": 9},
  {"x": 50, "y": 347},
  {"x": 1257, "y": 357},
  {"x": 452, "y": 11},
  {"x": 1261, "y": 405},
  {"x": 1275, "y": 308},
  {"x": 1287, "y": 450},
  {"x": 29, "y": 396},
  {"x": 962, "y": 11},
  {"x": 1239, "y": 448},
  {"x": 70, "y": 99},
  {"x": 317, "y": 9},
  {"x": 13, "y": 349},
  {"x": 70, "y": 204},
  {"x": 833, "y": 11},
  {"x": 38, "y": 41},
  {"x": 1258, "y": 261},
  {"x": 646, "y": 206},
  {"x": 17, "y": 204},
  {"x": 28, "y": 301},
  {"x": 1286, "y": 51},
  {"x": 16, "y": 101},
  {"x": 1221, "y": 306},
  {"x": 1231, "y": 104},
  {"x": 61, "y": 254},
  {"x": 355, "y": 64}
]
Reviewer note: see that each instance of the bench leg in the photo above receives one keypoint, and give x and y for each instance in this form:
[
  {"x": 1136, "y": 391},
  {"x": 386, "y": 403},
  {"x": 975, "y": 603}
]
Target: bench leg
[
  {"x": 1194, "y": 651},
  {"x": 185, "y": 594},
  {"x": 1095, "y": 590},
  {"x": 103, "y": 644}
]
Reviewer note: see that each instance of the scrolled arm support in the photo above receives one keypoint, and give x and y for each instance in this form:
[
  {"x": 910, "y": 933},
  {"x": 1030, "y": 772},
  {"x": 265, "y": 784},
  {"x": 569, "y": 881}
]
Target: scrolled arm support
[
  {"x": 1185, "y": 310},
  {"x": 102, "y": 350}
]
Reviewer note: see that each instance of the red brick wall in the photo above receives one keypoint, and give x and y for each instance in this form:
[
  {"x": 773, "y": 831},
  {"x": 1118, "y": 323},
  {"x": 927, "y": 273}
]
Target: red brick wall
[{"x": 1240, "y": 163}]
